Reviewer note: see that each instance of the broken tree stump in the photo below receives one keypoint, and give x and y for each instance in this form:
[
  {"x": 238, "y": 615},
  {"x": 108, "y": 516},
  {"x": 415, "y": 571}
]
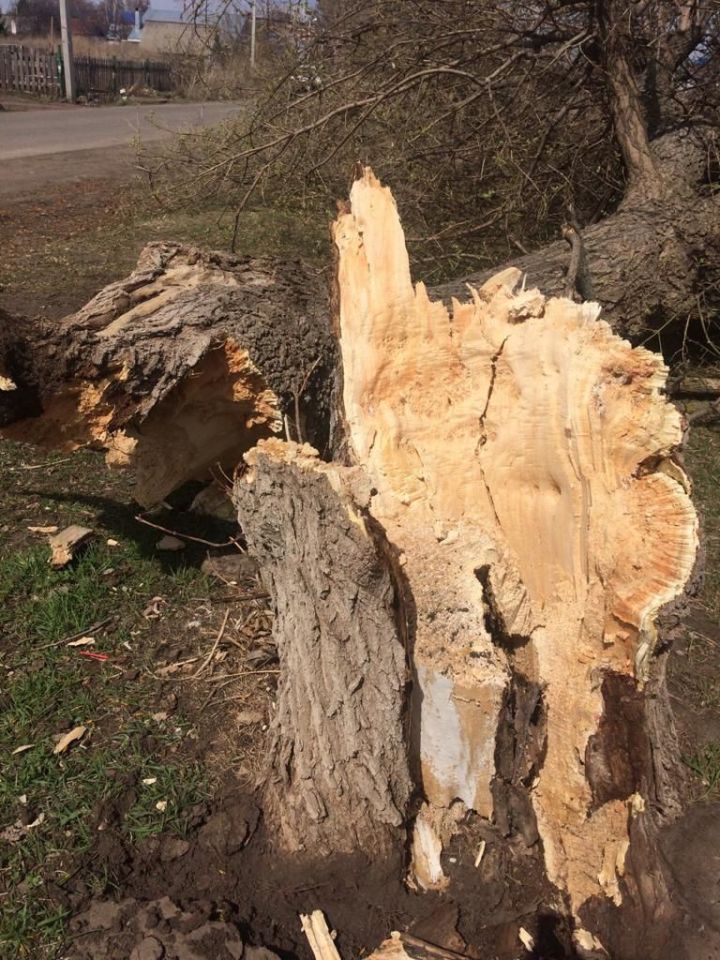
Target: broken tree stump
[
  {"x": 512, "y": 464},
  {"x": 184, "y": 364},
  {"x": 467, "y": 595}
]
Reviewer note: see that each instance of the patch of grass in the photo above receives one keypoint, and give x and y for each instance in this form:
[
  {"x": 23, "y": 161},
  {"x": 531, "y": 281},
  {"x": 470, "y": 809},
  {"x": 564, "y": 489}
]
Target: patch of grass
[
  {"x": 705, "y": 764},
  {"x": 61, "y": 250},
  {"x": 48, "y": 688},
  {"x": 703, "y": 461}
]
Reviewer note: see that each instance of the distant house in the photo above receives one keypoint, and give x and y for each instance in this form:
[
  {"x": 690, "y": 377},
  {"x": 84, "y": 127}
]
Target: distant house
[{"x": 168, "y": 31}]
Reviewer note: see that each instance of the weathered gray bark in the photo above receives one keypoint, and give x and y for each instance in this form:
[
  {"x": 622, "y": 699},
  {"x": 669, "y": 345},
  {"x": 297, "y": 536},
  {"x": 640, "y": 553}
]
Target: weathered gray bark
[
  {"x": 339, "y": 767},
  {"x": 648, "y": 261},
  {"x": 185, "y": 363}
]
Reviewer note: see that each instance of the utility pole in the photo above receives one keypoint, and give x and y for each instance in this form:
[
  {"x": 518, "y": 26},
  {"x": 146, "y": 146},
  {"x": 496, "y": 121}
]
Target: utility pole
[
  {"x": 67, "y": 52},
  {"x": 252, "y": 33}
]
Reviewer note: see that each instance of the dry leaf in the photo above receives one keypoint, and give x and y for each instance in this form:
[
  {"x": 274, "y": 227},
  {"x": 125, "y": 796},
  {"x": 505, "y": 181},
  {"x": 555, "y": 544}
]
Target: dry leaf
[
  {"x": 171, "y": 668},
  {"x": 82, "y": 642},
  {"x": 154, "y": 609},
  {"x": 43, "y": 529},
  {"x": 19, "y": 830},
  {"x": 169, "y": 542},
  {"x": 14, "y": 833},
  {"x": 22, "y": 749},
  {"x": 246, "y": 717},
  {"x": 64, "y": 742},
  {"x": 160, "y": 716}
]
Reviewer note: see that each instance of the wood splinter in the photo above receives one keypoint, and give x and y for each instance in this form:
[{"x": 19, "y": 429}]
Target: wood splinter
[{"x": 319, "y": 936}]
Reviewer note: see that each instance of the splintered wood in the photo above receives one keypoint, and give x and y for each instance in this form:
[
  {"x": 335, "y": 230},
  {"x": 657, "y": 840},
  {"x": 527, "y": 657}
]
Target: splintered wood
[
  {"x": 181, "y": 366},
  {"x": 319, "y": 937},
  {"x": 522, "y": 458}
]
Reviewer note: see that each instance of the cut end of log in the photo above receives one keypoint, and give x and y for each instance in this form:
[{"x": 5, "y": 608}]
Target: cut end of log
[
  {"x": 523, "y": 461},
  {"x": 184, "y": 364}
]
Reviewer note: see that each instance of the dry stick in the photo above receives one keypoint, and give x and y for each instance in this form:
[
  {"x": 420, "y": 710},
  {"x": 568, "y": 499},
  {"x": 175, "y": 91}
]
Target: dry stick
[
  {"x": 39, "y": 466},
  {"x": 319, "y": 937},
  {"x": 214, "y": 647},
  {"x": 229, "y": 677},
  {"x": 186, "y": 536},
  {"x": 81, "y": 633},
  {"x": 241, "y": 598}
]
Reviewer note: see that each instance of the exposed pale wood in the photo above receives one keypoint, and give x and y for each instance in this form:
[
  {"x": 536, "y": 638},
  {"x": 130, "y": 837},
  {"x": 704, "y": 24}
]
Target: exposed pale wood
[
  {"x": 522, "y": 458},
  {"x": 403, "y": 946},
  {"x": 65, "y": 543},
  {"x": 181, "y": 366},
  {"x": 319, "y": 937}
]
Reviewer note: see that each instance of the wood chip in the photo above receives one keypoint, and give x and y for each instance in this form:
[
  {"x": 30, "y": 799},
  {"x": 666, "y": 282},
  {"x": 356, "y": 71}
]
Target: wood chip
[
  {"x": 526, "y": 939},
  {"x": 82, "y": 642},
  {"x": 48, "y": 530},
  {"x": 65, "y": 544},
  {"x": 22, "y": 749},
  {"x": 169, "y": 542},
  {"x": 319, "y": 937},
  {"x": 77, "y": 733}
]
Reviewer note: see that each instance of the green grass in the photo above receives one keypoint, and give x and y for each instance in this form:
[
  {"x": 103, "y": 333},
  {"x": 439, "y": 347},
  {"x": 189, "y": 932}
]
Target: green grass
[
  {"x": 48, "y": 687},
  {"x": 63, "y": 250},
  {"x": 705, "y": 764},
  {"x": 703, "y": 462}
]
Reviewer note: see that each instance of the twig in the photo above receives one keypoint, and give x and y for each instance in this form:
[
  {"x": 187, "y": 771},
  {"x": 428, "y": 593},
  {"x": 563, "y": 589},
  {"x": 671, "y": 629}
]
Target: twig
[
  {"x": 81, "y": 633},
  {"x": 229, "y": 677},
  {"x": 39, "y": 466},
  {"x": 186, "y": 536},
  {"x": 242, "y": 598},
  {"x": 214, "y": 647}
]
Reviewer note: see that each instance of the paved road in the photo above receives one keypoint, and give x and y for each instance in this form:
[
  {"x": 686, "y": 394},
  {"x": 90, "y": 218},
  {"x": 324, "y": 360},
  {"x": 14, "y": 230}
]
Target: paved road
[
  {"x": 39, "y": 133},
  {"x": 66, "y": 144}
]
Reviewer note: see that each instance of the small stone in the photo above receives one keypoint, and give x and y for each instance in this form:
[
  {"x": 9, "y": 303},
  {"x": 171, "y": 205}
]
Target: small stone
[
  {"x": 173, "y": 849},
  {"x": 169, "y": 543},
  {"x": 148, "y": 949}
]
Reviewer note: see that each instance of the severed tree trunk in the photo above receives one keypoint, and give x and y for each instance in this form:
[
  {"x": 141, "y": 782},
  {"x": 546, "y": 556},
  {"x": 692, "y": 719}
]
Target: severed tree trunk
[
  {"x": 512, "y": 465},
  {"x": 184, "y": 364},
  {"x": 467, "y": 596}
]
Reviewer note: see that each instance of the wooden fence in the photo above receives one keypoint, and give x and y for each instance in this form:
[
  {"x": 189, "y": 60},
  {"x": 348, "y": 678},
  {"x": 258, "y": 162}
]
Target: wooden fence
[
  {"x": 106, "y": 78},
  {"x": 27, "y": 70}
]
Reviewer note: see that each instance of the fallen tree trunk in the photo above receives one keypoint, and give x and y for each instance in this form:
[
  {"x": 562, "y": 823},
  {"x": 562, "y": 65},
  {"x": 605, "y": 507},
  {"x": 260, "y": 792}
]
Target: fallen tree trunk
[
  {"x": 182, "y": 365},
  {"x": 650, "y": 263}
]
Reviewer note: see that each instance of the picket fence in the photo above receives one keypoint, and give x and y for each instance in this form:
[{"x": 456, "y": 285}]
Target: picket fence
[{"x": 28, "y": 70}]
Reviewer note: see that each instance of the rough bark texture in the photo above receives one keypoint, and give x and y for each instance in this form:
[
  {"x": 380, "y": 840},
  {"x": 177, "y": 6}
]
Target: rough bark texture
[
  {"x": 185, "y": 363},
  {"x": 521, "y": 464},
  {"x": 340, "y": 780},
  {"x": 648, "y": 261}
]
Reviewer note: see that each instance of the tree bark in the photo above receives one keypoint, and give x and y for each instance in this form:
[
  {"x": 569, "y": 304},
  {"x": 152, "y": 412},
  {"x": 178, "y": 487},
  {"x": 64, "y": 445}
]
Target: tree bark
[
  {"x": 467, "y": 597},
  {"x": 514, "y": 475},
  {"x": 184, "y": 364},
  {"x": 649, "y": 261},
  {"x": 340, "y": 780}
]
